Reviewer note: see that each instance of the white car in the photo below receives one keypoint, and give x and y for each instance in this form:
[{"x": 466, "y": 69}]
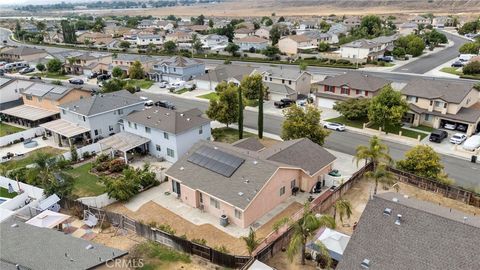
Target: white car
[
  {"x": 458, "y": 138},
  {"x": 450, "y": 126},
  {"x": 472, "y": 143},
  {"x": 334, "y": 126}
]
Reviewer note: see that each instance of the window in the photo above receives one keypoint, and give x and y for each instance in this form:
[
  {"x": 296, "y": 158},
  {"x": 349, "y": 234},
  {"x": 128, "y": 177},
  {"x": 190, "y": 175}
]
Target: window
[
  {"x": 427, "y": 117},
  {"x": 165, "y": 135},
  {"x": 96, "y": 132},
  {"x": 329, "y": 88},
  {"x": 270, "y": 78},
  {"x": 170, "y": 152},
  {"x": 200, "y": 131},
  {"x": 159, "y": 149},
  {"x": 135, "y": 125},
  {"x": 290, "y": 82},
  {"x": 283, "y": 81},
  {"x": 174, "y": 69},
  {"x": 120, "y": 111},
  {"x": 129, "y": 124},
  {"x": 292, "y": 183},
  {"x": 110, "y": 128},
  {"x": 148, "y": 130},
  {"x": 412, "y": 99},
  {"x": 266, "y": 78},
  {"x": 438, "y": 103},
  {"x": 345, "y": 90},
  {"x": 84, "y": 119},
  {"x": 200, "y": 197},
  {"x": 214, "y": 203},
  {"x": 238, "y": 214},
  {"x": 282, "y": 190},
  {"x": 29, "y": 97}
]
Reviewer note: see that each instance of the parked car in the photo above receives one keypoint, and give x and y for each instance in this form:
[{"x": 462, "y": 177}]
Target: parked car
[
  {"x": 457, "y": 64},
  {"x": 335, "y": 173},
  {"x": 335, "y": 126},
  {"x": 162, "y": 84},
  {"x": 458, "y": 138},
  {"x": 103, "y": 77},
  {"x": 92, "y": 75},
  {"x": 2, "y": 72},
  {"x": 472, "y": 143},
  {"x": 438, "y": 136},
  {"x": 387, "y": 59},
  {"x": 462, "y": 128},
  {"x": 165, "y": 104},
  {"x": 35, "y": 78},
  {"x": 76, "y": 81},
  {"x": 283, "y": 103},
  {"x": 450, "y": 126},
  {"x": 148, "y": 103},
  {"x": 26, "y": 70}
]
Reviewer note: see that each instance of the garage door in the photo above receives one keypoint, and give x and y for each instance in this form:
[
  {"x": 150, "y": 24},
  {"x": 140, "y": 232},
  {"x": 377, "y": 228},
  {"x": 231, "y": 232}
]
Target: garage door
[
  {"x": 276, "y": 97},
  {"x": 326, "y": 103}
]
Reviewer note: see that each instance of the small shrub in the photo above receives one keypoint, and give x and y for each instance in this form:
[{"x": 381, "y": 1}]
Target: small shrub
[
  {"x": 222, "y": 249},
  {"x": 116, "y": 166},
  {"x": 102, "y": 167},
  {"x": 183, "y": 236},
  {"x": 166, "y": 228},
  {"x": 86, "y": 155},
  {"x": 102, "y": 158},
  {"x": 57, "y": 82},
  {"x": 200, "y": 241}
]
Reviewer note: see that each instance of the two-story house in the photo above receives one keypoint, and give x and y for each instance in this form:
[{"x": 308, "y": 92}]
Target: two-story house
[
  {"x": 170, "y": 133},
  {"x": 222, "y": 73},
  {"x": 263, "y": 32},
  {"x": 294, "y": 44},
  {"x": 435, "y": 103},
  {"x": 22, "y": 53},
  {"x": 214, "y": 42},
  {"x": 252, "y": 43},
  {"x": 146, "y": 39},
  {"x": 11, "y": 92},
  {"x": 244, "y": 183},
  {"x": 361, "y": 50},
  {"x": 420, "y": 20},
  {"x": 92, "y": 118},
  {"x": 86, "y": 62},
  {"x": 41, "y": 101},
  {"x": 243, "y": 32},
  {"x": 286, "y": 83},
  {"x": 177, "y": 68},
  {"x": 124, "y": 61},
  {"x": 345, "y": 86},
  {"x": 179, "y": 37}
]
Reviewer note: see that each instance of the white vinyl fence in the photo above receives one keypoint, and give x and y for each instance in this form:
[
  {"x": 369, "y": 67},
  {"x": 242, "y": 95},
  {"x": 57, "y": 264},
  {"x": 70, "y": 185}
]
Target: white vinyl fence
[
  {"x": 91, "y": 148},
  {"x": 26, "y": 134},
  {"x": 98, "y": 201}
]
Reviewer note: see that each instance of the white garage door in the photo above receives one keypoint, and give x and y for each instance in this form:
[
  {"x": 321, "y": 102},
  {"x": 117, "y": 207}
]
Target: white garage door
[
  {"x": 276, "y": 97},
  {"x": 326, "y": 103}
]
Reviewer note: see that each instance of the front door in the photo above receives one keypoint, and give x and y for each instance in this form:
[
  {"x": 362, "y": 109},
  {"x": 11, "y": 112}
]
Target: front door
[{"x": 176, "y": 187}]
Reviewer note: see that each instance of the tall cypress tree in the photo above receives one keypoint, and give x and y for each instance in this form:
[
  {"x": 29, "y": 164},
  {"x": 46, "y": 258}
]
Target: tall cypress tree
[
  {"x": 240, "y": 113},
  {"x": 260, "y": 112}
]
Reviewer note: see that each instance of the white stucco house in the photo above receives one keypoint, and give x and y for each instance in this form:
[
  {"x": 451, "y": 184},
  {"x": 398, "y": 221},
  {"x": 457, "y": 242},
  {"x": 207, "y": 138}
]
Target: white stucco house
[
  {"x": 214, "y": 42},
  {"x": 249, "y": 42},
  {"x": 144, "y": 40}
]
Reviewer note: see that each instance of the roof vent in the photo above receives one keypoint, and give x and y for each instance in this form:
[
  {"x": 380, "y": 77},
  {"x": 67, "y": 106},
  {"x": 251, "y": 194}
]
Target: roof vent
[
  {"x": 167, "y": 114},
  {"x": 247, "y": 181},
  {"x": 405, "y": 196},
  {"x": 465, "y": 219},
  {"x": 148, "y": 117},
  {"x": 395, "y": 199},
  {"x": 215, "y": 147},
  {"x": 182, "y": 114},
  {"x": 387, "y": 211},
  {"x": 255, "y": 162},
  {"x": 182, "y": 168},
  {"x": 14, "y": 225},
  {"x": 89, "y": 247},
  {"x": 188, "y": 119},
  {"x": 365, "y": 264},
  {"x": 240, "y": 193},
  {"x": 398, "y": 220}
]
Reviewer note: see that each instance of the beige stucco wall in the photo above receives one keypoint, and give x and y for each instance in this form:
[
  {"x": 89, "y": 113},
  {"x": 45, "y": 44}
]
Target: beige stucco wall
[
  {"x": 48, "y": 104},
  {"x": 288, "y": 46}
]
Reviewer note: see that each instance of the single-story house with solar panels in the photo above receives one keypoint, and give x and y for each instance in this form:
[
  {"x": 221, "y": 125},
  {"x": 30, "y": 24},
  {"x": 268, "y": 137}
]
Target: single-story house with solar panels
[{"x": 244, "y": 181}]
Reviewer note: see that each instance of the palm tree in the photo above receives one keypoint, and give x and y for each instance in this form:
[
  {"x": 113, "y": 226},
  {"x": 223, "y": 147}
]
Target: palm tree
[
  {"x": 48, "y": 172},
  {"x": 381, "y": 175},
  {"x": 304, "y": 229},
  {"x": 343, "y": 207},
  {"x": 251, "y": 241},
  {"x": 375, "y": 152}
]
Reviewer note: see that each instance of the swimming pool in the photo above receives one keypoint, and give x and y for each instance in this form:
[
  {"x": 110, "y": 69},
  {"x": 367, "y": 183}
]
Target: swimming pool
[{"x": 2, "y": 200}]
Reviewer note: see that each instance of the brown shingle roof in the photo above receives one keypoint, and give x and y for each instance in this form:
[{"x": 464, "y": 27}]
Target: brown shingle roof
[
  {"x": 250, "y": 143},
  {"x": 448, "y": 91},
  {"x": 356, "y": 80},
  {"x": 252, "y": 39},
  {"x": 299, "y": 38}
]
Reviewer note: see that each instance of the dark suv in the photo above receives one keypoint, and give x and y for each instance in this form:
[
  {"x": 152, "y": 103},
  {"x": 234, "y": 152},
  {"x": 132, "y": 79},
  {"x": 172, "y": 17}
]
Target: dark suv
[
  {"x": 438, "y": 136},
  {"x": 283, "y": 103}
]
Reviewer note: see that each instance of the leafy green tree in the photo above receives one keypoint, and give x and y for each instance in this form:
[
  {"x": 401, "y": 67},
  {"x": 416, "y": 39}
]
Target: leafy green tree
[
  {"x": 170, "y": 47},
  {"x": 376, "y": 152},
  {"x": 300, "y": 123},
  {"x": 210, "y": 23},
  {"x": 117, "y": 72},
  {"x": 251, "y": 241},
  {"x": 252, "y": 86},
  {"x": 124, "y": 44},
  {"x": 40, "y": 67},
  {"x": 469, "y": 28},
  {"x": 303, "y": 66},
  {"x": 225, "y": 108},
  {"x": 304, "y": 230},
  {"x": 268, "y": 22},
  {"x": 256, "y": 25},
  {"x": 98, "y": 25},
  {"x": 196, "y": 44},
  {"x": 423, "y": 161},
  {"x": 323, "y": 46},
  {"x": 324, "y": 26},
  {"x": 383, "y": 176},
  {"x": 277, "y": 31},
  {"x": 41, "y": 26},
  {"x": 200, "y": 20},
  {"x": 470, "y": 48},
  {"x": 399, "y": 52},
  {"x": 372, "y": 24},
  {"x": 434, "y": 38},
  {"x": 412, "y": 44},
  {"x": 73, "y": 153},
  {"x": 232, "y": 48},
  {"x": 281, "y": 19},
  {"x": 68, "y": 31},
  {"x": 472, "y": 68},
  {"x": 353, "y": 108},
  {"x": 387, "y": 108},
  {"x": 271, "y": 52},
  {"x": 113, "y": 85},
  {"x": 54, "y": 65},
  {"x": 135, "y": 71}
]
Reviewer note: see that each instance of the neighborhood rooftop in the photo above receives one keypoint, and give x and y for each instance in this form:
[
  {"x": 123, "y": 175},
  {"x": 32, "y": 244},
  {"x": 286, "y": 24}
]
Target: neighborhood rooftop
[
  {"x": 33, "y": 247},
  {"x": 179, "y": 61},
  {"x": 448, "y": 91},
  {"x": 356, "y": 80},
  {"x": 22, "y": 50},
  {"x": 426, "y": 236},
  {"x": 102, "y": 103}
]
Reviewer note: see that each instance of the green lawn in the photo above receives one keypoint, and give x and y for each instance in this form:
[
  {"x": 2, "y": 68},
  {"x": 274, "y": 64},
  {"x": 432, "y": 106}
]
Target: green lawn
[
  {"x": 351, "y": 123},
  {"x": 158, "y": 256},
  {"x": 209, "y": 96},
  {"x": 424, "y": 128},
  {"x": 4, "y": 193},
  {"x": 6, "y": 129},
  {"x": 29, "y": 157},
  {"x": 405, "y": 132},
  {"x": 50, "y": 75},
  {"x": 144, "y": 84},
  {"x": 181, "y": 91},
  {"x": 228, "y": 135},
  {"x": 86, "y": 184},
  {"x": 451, "y": 70}
]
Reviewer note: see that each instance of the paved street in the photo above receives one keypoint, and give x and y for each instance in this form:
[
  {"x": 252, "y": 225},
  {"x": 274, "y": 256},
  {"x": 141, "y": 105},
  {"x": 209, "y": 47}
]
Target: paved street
[{"x": 431, "y": 61}]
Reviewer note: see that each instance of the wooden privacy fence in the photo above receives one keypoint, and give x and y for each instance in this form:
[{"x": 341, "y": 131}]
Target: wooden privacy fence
[
  {"x": 164, "y": 238},
  {"x": 449, "y": 191}
]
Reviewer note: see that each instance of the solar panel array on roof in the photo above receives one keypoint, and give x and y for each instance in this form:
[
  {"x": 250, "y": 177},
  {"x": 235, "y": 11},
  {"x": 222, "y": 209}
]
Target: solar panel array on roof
[
  {"x": 38, "y": 89},
  {"x": 216, "y": 160}
]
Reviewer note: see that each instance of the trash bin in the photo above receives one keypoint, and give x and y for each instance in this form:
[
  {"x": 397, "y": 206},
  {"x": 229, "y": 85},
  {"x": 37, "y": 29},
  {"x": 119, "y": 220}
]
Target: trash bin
[
  {"x": 474, "y": 159},
  {"x": 224, "y": 220}
]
